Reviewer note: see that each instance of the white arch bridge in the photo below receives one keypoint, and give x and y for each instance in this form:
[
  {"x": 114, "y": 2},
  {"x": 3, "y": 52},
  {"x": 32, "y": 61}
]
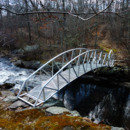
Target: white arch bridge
[{"x": 61, "y": 70}]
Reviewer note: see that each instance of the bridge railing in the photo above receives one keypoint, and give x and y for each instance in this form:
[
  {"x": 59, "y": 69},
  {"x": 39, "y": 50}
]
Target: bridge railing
[
  {"x": 89, "y": 59},
  {"x": 49, "y": 69},
  {"x": 76, "y": 61}
]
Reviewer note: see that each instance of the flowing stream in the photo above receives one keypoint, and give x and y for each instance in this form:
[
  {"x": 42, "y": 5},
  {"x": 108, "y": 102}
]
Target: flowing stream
[
  {"x": 101, "y": 103},
  {"x": 12, "y": 74}
]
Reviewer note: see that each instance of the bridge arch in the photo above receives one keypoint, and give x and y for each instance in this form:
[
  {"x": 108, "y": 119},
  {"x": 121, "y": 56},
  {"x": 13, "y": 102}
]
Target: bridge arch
[{"x": 71, "y": 65}]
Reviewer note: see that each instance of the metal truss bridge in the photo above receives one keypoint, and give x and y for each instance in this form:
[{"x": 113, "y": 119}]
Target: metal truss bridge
[{"x": 61, "y": 70}]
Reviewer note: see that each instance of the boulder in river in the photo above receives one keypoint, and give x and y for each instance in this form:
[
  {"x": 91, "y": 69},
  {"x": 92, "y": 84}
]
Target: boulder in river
[
  {"x": 60, "y": 110},
  {"x": 117, "y": 128},
  {"x": 10, "y": 99},
  {"x": 52, "y": 102},
  {"x": 18, "y": 104}
]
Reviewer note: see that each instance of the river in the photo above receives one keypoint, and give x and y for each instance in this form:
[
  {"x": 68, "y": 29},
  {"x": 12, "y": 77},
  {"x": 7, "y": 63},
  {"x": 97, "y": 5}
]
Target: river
[{"x": 100, "y": 102}]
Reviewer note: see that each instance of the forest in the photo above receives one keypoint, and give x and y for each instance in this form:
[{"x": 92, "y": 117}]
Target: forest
[{"x": 57, "y": 25}]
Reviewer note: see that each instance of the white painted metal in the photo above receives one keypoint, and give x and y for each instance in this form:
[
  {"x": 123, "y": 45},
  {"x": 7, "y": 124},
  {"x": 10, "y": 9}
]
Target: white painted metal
[{"x": 70, "y": 65}]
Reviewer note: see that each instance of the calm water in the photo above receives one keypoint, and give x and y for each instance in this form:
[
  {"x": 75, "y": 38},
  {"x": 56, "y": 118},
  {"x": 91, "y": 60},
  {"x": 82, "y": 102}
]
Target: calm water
[{"x": 101, "y": 103}]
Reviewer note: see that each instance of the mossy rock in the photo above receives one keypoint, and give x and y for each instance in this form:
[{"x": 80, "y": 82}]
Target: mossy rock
[{"x": 36, "y": 119}]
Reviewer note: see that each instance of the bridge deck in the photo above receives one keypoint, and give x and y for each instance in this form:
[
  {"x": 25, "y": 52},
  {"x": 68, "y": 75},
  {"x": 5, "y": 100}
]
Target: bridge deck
[{"x": 50, "y": 89}]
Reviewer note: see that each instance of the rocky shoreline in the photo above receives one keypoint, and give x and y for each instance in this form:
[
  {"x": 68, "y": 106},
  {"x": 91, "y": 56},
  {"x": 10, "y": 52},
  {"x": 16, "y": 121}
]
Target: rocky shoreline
[{"x": 10, "y": 84}]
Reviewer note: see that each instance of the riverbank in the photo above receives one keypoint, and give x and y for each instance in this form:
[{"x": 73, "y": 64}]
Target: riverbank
[
  {"x": 39, "y": 119},
  {"x": 11, "y": 108},
  {"x": 117, "y": 76}
]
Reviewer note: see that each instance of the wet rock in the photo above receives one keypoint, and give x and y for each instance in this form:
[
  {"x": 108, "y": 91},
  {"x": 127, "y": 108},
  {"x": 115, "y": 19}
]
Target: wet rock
[
  {"x": 6, "y": 93},
  {"x": 18, "y": 63},
  {"x": 125, "y": 84},
  {"x": 60, "y": 110},
  {"x": 117, "y": 128},
  {"x": 31, "y": 64},
  {"x": 18, "y": 104},
  {"x": 56, "y": 110},
  {"x": 10, "y": 73},
  {"x": 52, "y": 102},
  {"x": 20, "y": 51},
  {"x": 10, "y": 99},
  {"x": 74, "y": 113},
  {"x": 31, "y": 48}
]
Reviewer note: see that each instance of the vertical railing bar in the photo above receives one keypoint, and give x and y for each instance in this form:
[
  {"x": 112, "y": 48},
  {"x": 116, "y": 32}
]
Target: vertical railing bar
[
  {"x": 72, "y": 55},
  {"x": 44, "y": 94},
  {"x": 66, "y": 57},
  {"x": 100, "y": 58},
  {"x": 63, "y": 60},
  {"x": 109, "y": 55},
  {"x": 91, "y": 54},
  {"x": 112, "y": 60},
  {"x": 87, "y": 60},
  {"x": 85, "y": 57},
  {"x": 52, "y": 69},
  {"x": 84, "y": 62},
  {"x": 27, "y": 85},
  {"x": 69, "y": 72},
  {"x": 57, "y": 82},
  {"x": 104, "y": 58},
  {"x": 79, "y": 56},
  {"x": 96, "y": 58},
  {"x": 78, "y": 65},
  {"x": 40, "y": 78},
  {"x": 91, "y": 59},
  {"x": 56, "y": 64},
  {"x": 107, "y": 64}
]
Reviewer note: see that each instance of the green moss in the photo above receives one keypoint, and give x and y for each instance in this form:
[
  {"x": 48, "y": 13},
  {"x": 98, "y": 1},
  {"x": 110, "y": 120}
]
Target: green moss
[
  {"x": 36, "y": 119},
  {"x": 107, "y": 48}
]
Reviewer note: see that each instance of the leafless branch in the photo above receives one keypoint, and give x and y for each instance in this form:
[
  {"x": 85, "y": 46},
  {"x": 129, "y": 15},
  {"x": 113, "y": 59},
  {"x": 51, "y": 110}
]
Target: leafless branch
[
  {"x": 70, "y": 13},
  {"x": 94, "y": 14}
]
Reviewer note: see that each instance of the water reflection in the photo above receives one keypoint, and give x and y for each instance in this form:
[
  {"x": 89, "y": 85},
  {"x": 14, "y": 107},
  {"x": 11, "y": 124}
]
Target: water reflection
[{"x": 101, "y": 103}]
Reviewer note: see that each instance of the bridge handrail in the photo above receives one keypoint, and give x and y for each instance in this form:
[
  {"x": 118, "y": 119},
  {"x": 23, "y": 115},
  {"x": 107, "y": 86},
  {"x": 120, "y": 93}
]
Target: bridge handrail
[
  {"x": 68, "y": 64},
  {"x": 47, "y": 64},
  {"x": 54, "y": 59},
  {"x": 79, "y": 62},
  {"x": 64, "y": 68}
]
